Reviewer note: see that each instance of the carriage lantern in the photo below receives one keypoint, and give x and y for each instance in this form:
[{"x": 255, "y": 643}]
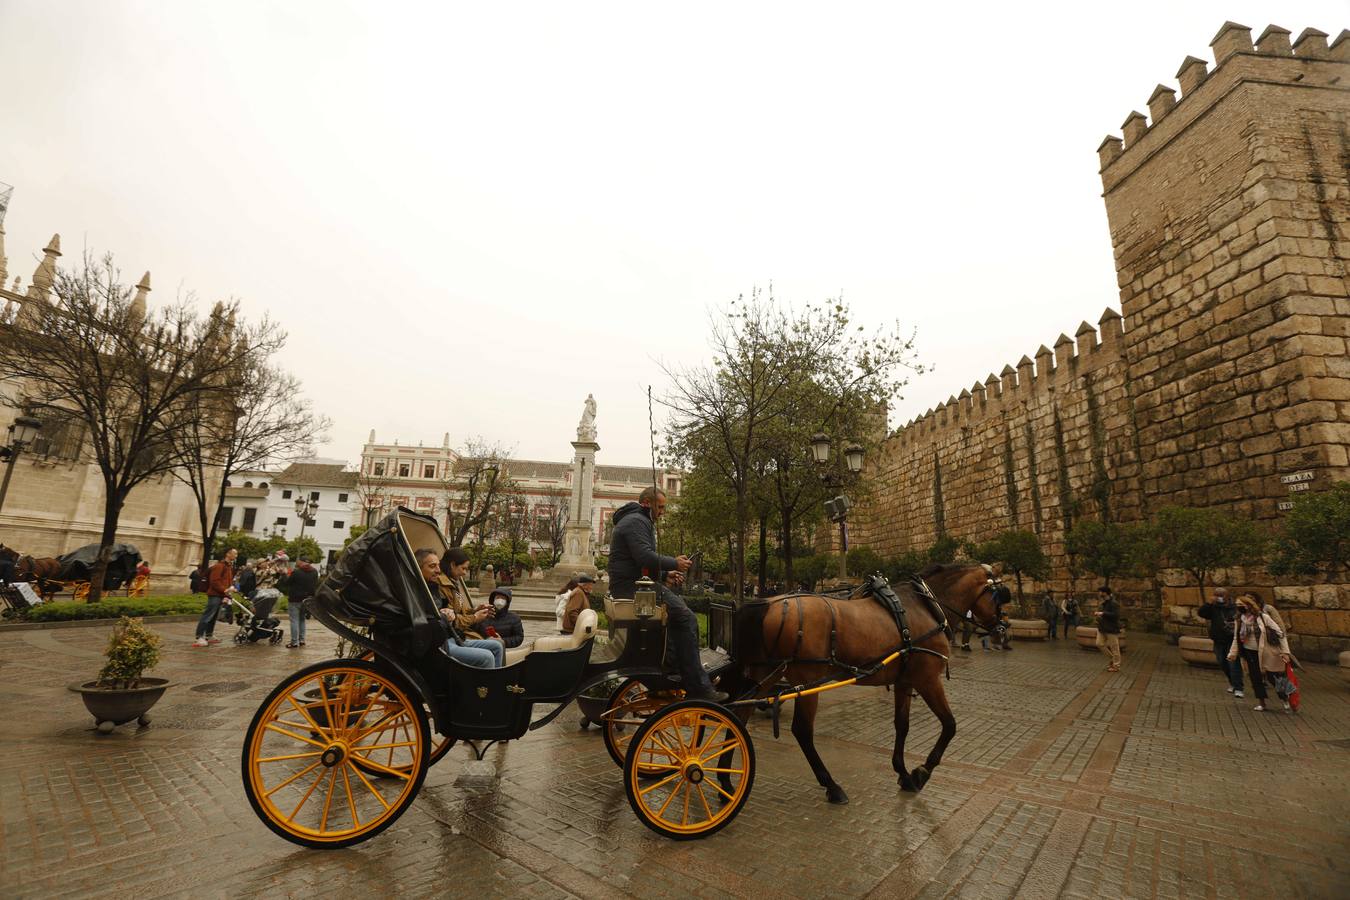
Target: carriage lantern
[{"x": 644, "y": 599}]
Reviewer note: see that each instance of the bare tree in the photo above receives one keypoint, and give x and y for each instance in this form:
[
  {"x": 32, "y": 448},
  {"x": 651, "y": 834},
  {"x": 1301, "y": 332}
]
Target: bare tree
[
  {"x": 477, "y": 481},
  {"x": 551, "y": 517},
  {"x": 373, "y": 493},
  {"x": 513, "y": 524},
  {"x": 261, "y": 419},
  {"x": 134, "y": 379}
]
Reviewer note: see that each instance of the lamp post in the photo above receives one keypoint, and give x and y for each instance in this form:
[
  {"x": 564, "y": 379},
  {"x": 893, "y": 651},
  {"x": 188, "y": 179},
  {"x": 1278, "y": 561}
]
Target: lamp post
[
  {"x": 22, "y": 433},
  {"x": 837, "y": 507},
  {"x": 305, "y": 509}
]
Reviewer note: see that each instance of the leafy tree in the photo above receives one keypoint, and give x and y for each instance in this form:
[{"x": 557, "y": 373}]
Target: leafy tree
[
  {"x": 811, "y": 569},
  {"x": 134, "y": 379},
  {"x": 864, "y": 561},
  {"x": 1100, "y": 548},
  {"x": 945, "y": 550},
  {"x": 723, "y": 413},
  {"x": 1202, "y": 540},
  {"x": 513, "y": 528},
  {"x": 480, "y": 478},
  {"x": 353, "y": 533},
  {"x": 1020, "y": 552},
  {"x": 1315, "y": 537},
  {"x": 252, "y": 548}
]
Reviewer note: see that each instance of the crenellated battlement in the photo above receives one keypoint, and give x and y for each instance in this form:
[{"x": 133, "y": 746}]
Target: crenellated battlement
[
  {"x": 1051, "y": 370},
  {"x": 1309, "y": 61}
]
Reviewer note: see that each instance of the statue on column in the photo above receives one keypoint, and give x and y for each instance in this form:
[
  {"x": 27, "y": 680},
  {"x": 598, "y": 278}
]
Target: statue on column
[{"x": 586, "y": 427}]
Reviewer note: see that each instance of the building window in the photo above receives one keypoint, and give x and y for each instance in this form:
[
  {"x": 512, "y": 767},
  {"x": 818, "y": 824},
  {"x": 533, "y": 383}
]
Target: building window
[
  {"x": 285, "y": 495},
  {"x": 403, "y": 470},
  {"x": 224, "y": 517},
  {"x": 428, "y": 471},
  {"x": 248, "y": 484},
  {"x": 250, "y": 518},
  {"x": 61, "y": 435},
  {"x": 263, "y": 485},
  {"x": 152, "y": 520},
  {"x": 342, "y": 498},
  {"x": 339, "y": 524},
  {"x": 281, "y": 520},
  {"x": 314, "y": 495},
  {"x": 379, "y": 469}
]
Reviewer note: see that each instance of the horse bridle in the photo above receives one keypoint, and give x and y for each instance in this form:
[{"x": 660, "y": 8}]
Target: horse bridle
[{"x": 990, "y": 581}]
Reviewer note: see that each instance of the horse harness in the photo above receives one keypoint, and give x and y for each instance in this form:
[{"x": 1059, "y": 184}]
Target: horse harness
[{"x": 880, "y": 590}]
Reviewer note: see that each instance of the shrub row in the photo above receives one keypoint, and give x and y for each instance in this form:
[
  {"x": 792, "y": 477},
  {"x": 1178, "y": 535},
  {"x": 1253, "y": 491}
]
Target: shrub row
[{"x": 69, "y": 611}]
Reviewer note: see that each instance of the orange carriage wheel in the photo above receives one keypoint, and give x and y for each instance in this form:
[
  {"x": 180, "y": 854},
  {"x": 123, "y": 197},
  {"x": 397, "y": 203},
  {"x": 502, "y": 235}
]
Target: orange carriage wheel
[
  {"x": 706, "y": 767},
  {"x": 440, "y": 744},
  {"x": 81, "y": 592},
  {"x": 629, "y": 706},
  {"x": 313, "y": 743}
]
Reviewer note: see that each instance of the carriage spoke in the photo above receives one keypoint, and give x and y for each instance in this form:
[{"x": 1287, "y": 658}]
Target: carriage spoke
[
  {"x": 651, "y": 787},
  {"x": 310, "y": 768},
  {"x": 302, "y": 711},
  {"x": 263, "y": 759},
  {"x": 370, "y": 787},
  {"x": 684, "y": 817},
  {"x": 295, "y": 812},
  {"x": 724, "y": 771},
  {"x": 328, "y": 800},
  {"x": 387, "y": 722},
  {"x": 351, "y": 801},
  {"x": 717, "y": 787},
  {"x": 731, "y": 744},
  {"x": 704, "y": 800},
  {"x": 664, "y": 746},
  {"x": 272, "y": 726},
  {"x": 385, "y": 746},
  {"x": 385, "y": 769},
  {"x": 673, "y": 793}
]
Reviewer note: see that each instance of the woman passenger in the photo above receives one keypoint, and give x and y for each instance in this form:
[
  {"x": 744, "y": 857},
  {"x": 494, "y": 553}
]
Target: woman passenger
[{"x": 475, "y": 651}]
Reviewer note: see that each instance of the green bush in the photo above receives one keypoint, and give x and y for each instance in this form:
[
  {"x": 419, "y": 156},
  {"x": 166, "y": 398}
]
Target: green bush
[
  {"x": 181, "y": 604},
  {"x": 132, "y": 649}
]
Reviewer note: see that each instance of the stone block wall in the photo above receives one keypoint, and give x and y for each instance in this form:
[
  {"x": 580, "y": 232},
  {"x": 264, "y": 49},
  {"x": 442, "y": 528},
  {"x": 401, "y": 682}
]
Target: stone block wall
[{"x": 1229, "y": 365}]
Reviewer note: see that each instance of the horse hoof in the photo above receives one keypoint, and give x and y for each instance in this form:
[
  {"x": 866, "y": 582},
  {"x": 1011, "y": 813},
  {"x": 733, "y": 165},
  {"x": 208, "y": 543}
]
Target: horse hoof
[
  {"x": 920, "y": 776},
  {"x": 836, "y": 795},
  {"x": 907, "y": 784}
]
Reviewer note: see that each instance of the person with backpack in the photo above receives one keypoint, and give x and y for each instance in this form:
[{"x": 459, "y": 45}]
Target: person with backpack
[{"x": 299, "y": 587}]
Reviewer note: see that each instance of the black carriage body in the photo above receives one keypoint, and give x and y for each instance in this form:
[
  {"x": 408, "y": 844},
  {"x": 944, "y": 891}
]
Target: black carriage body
[{"x": 376, "y": 583}]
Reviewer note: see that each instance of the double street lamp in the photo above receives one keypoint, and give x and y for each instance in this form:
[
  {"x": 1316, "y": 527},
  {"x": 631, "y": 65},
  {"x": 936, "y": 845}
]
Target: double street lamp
[
  {"x": 837, "y": 507},
  {"x": 22, "y": 433},
  {"x": 305, "y": 508}
]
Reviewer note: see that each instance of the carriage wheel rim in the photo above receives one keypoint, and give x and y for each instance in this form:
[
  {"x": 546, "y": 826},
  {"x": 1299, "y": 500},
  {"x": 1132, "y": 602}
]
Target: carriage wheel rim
[
  {"x": 311, "y": 757},
  {"x": 686, "y": 745},
  {"x": 629, "y": 711}
]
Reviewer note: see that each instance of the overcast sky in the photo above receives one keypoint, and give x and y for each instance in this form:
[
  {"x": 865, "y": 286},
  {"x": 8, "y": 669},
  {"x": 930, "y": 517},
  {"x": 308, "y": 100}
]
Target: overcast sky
[{"x": 468, "y": 216}]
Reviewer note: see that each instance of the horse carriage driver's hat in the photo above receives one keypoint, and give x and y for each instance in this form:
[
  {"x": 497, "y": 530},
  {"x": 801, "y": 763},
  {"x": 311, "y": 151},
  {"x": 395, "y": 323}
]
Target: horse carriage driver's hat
[{"x": 585, "y": 579}]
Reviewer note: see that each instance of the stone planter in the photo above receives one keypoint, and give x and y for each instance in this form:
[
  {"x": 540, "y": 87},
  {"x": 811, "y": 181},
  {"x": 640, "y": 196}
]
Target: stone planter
[
  {"x": 1344, "y": 660},
  {"x": 1028, "y": 629},
  {"x": 1197, "y": 651},
  {"x": 1086, "y": 635},
  {"x": 111, "y": 707}
]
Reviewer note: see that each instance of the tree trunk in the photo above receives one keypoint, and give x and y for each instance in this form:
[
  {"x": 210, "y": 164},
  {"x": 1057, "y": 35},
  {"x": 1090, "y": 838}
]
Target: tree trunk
[
  {"x": 112, "y": 510},
  {"x": 763, "y": 554},
  {"x": 1021, "y": 601},
  {"x": 789, "y": 577}
]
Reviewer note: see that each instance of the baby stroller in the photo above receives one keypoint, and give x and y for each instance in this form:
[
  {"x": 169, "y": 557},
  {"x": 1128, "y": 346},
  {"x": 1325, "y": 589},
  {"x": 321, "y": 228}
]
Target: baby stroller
[{"x": 256, "y": 623}]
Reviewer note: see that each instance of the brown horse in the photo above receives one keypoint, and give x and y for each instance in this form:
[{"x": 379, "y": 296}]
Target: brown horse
[
  {"x": 810, "y": 639},
  {"x": 42, "y": 572}
]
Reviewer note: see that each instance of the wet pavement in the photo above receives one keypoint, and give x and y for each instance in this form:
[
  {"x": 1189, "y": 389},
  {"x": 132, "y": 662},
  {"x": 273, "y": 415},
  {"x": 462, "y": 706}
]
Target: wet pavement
[{"x": 1063, "y": 780}]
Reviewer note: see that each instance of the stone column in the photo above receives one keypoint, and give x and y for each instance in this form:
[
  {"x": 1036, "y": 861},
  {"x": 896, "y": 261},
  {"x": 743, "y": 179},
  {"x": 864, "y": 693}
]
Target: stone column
[{"x": 578, "y": 554}]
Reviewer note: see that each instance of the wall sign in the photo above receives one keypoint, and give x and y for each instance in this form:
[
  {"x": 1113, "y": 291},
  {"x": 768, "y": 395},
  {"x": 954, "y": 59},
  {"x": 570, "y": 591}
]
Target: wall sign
[
  {"x": 1296, "y": 478},
  {"x": 1301, "y": 486}
]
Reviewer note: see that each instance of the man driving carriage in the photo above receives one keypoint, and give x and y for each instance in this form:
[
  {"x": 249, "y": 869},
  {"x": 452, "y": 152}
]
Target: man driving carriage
[{"x": 632, "y": 554}]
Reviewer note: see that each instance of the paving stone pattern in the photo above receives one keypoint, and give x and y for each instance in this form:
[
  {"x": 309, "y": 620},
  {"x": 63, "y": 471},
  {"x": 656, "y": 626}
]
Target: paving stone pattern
[{"x": 1063, "y": 780}]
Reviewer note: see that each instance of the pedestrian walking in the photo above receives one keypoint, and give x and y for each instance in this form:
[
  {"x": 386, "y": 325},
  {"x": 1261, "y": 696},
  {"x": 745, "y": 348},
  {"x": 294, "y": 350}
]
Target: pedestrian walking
[
  {"x": 218, "y": 580},
  {"x": 1002, "y": 597},
  {"x": 1221, "y": 612},
  {"x": 1050, "y": 612},
  {"x": 1260, "y": 644},
  {"x": 1108, "y": 627},
  {"x": 1068, "y": 610},
  {"x": 967, "y": 630},
  {"x": 299, "y": 587}
]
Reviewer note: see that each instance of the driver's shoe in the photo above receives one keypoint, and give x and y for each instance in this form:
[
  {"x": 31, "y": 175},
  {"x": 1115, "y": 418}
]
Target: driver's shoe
[{"x": 713, "y": 695}]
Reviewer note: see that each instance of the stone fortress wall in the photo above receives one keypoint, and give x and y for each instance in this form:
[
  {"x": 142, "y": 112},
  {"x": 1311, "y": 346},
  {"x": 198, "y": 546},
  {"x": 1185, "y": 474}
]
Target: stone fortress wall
[{"x": 1229, "y": 364}]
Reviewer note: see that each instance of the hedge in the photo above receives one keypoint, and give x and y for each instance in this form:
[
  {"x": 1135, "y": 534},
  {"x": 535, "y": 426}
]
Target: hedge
[{"x": 176, "y": 605}]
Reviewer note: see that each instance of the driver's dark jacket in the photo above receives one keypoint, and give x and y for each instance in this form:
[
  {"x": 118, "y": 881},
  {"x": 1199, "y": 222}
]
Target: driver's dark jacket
[
  {"x": 632, "y": 548},
  {"x": 1221, "y": 618}
]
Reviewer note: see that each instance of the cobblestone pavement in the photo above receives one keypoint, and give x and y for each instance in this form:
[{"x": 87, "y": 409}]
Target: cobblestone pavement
[{"x": 1063, "y": 780}]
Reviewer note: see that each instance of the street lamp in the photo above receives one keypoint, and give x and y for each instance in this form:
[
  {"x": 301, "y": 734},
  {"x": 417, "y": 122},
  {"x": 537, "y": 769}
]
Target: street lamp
[
  {"x": 837, "y": 507},
  {"x": 22, "y": 433},
  {"x": 305, "y": 509}
]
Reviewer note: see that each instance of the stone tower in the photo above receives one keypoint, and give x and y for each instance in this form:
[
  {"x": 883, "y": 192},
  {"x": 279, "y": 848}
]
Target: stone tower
[{"x": 1230, "y": 221}]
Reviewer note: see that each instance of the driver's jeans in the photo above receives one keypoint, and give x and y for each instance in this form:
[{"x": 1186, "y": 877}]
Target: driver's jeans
[{"x": 682, "y": 634}]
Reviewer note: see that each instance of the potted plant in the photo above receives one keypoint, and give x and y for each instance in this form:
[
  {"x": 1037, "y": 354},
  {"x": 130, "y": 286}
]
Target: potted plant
[{"x": 121, "y": 692}]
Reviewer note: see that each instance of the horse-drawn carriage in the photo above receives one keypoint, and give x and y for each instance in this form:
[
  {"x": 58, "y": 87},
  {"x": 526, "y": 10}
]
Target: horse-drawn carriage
[
  {"x": 51, "y": 575},
  {"x": 339, "y": 750}
]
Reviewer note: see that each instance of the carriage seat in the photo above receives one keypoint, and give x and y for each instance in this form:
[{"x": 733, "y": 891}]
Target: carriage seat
[{"x": 585, "y": 630}]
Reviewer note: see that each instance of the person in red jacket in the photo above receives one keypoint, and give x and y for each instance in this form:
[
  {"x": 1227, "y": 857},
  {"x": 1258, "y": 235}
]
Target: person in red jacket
[{"x": 218, "y": 580}]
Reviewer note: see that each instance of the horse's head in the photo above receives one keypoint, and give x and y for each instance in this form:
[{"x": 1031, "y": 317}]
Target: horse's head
[
  {"x": 967, "y": 588},
  {"x": 8, "y": 553}
]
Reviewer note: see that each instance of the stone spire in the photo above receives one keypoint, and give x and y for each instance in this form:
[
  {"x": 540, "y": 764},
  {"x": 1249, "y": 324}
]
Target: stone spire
[
  {"x": 138, "y": 302},
  {"x": 45, "y": 275}
]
